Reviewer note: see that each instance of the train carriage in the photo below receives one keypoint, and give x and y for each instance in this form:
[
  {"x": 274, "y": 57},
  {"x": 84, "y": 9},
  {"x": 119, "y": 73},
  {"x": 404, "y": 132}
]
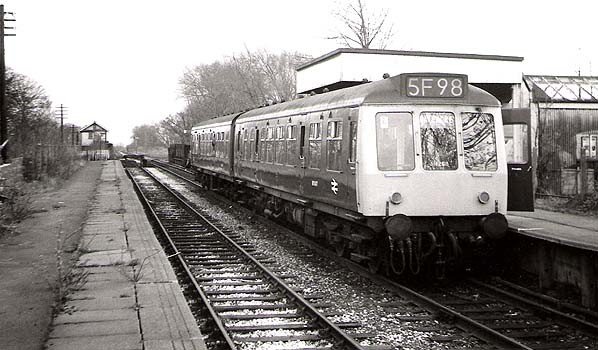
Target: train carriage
[
  {"x": 178, "y": 153},
  {"x": 406, "y": 171}
]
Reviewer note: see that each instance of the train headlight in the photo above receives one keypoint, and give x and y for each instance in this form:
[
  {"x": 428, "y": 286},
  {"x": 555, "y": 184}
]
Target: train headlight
[
  {"x": 396, "y": 198},
  {"x": 483, "y": 197}
]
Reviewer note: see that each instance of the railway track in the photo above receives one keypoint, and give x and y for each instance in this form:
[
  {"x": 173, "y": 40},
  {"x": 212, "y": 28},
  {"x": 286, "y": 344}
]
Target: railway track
[
  {"x": 498, "y": 317},
  {"x": 249, "y": 303}
]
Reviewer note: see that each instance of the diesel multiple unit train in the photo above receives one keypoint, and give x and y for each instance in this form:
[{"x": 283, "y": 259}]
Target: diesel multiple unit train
[{"x": 408, "y": 173}]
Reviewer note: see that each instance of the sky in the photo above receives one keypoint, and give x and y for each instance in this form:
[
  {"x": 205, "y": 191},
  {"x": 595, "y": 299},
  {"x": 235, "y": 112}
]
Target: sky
[{"x": 118, "y": 62}]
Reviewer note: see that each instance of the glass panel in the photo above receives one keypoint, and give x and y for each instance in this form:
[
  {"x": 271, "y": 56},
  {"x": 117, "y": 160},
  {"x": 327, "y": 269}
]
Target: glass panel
[
  {"x": 270, "y": 145},
  {"x": 394, "y": 141},
  {"x": 315, "y": 146},
  {"x": 479, "y": 142},
  {"x": 291, "y": 144},
  {"x": 352, "y": 141},
  {"x": 334, "y": 145},
  {"x": 439, "y": 141},
  {"x": 516, "y": 143}
]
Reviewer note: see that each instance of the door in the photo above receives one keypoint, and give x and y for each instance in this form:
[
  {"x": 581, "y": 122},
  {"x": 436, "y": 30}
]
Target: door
[{"x": 517, "y": 129}]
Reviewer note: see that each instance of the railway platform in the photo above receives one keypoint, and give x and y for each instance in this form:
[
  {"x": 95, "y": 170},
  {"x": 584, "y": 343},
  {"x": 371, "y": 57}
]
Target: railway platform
[
  {"x": 558, "y": 247},
  {"x": 131, "y": 298},
  {"x": 562, "y": 228}
]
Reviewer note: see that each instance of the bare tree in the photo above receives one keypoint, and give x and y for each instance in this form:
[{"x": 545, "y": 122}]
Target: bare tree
[
  {"x": 238, "y": 83},
  {"x": 360, "y": 27},
  {"x": 30, "y": 118}
]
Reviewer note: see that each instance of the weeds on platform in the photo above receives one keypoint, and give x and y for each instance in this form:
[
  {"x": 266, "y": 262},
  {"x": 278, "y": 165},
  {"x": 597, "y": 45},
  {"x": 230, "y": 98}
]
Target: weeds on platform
[
  {"x": 136, "y": 272},
  {"x": 69, "y": 278}
]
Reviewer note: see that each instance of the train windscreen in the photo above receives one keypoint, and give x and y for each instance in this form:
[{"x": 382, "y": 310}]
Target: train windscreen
[
  {"x": 394, "y": 139},
  {"x": 438, "y": 140},
  {"x": 479, "y": 142}
]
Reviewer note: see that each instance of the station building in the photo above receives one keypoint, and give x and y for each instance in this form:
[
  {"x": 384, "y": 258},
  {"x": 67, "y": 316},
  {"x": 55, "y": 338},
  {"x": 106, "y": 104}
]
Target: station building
[
  {"x": 564, "y": 110},
  {"x": 94, "y": 142}
]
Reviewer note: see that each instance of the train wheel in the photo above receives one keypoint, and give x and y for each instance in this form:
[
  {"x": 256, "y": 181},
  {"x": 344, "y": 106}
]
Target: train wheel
[
  {"x": 378, "y": 262},
  {"x": 340, "y": 247},
  {"x": 375, "y": 264}
]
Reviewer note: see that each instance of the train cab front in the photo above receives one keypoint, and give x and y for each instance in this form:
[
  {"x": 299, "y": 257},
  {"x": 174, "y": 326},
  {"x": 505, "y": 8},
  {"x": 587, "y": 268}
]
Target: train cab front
[{"x": 438, "y": 182}]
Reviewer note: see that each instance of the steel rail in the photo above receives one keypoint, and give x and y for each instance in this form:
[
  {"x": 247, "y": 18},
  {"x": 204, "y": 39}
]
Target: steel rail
[
  {"x": 476, "y": 328},
  {"x": 183, "y": 263},
  {"x": 339, "y": 335},
  {"x": 571, "y": 321}
]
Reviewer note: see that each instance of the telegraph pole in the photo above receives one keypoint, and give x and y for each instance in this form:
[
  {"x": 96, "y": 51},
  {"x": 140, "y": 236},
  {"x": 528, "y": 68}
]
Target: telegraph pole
[
  {"x": 3, "y": 102},
  {"x": 62, "y": 112}
]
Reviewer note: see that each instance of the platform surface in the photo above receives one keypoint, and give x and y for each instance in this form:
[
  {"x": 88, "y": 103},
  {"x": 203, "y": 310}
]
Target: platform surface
[
  {"x": 131, "y": 299},
  {"x": 562, "y": 228}
]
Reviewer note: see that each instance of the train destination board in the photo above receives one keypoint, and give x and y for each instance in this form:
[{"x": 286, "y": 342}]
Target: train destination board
[{"x": 428, "y": 85}]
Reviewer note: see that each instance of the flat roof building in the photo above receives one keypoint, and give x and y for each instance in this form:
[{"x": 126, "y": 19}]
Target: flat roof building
[{"x": 347, "y": 67}]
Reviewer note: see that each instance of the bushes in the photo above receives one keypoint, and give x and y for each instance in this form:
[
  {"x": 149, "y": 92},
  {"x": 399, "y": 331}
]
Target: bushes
[
  {"x": 15, "y": 205},
  {"x": 587, "y": 203}
]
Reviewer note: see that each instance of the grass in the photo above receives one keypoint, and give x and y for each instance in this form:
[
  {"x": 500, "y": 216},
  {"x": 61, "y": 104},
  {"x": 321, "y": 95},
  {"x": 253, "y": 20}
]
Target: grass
[
  {"x": 136, "y": 272},
  {"x": 69, "y": 278}
]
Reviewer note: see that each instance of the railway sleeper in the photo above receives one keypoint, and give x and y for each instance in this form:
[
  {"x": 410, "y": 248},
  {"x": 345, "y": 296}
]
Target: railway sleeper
[{"x": 264, "y": 315}]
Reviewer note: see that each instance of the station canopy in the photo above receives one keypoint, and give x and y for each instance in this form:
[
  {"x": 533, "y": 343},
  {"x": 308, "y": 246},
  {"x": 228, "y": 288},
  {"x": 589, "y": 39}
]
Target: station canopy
[{"x": 548, "y": 88}]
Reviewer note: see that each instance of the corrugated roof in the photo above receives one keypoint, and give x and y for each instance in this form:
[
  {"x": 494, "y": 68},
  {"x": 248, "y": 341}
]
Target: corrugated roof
[{"x": 550, "y": 88}]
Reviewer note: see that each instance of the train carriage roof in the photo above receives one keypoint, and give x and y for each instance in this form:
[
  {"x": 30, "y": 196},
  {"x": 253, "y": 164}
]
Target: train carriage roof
[
  {"x": 219, "y": 121},
  {"x": 379, "y": 92}
]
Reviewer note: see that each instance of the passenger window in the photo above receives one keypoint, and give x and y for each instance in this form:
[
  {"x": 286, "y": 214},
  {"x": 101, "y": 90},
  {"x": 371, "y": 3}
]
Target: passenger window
[
  {"x": 394, "y": 141},
  {"x": 263, "y": 144},
  {"x": 280, "y": 145},
  {"x": 438, "y": 140},
  {"x": 256, "y": 153},
  {"x": 315, "y": 145},
  {"x": 334, "y": 139},
  {"x": 270, "y": 145},
  {"x": 302, "y": 143},
  {"x": 291, "y": 145},
  {"x": 245, "y": 148}
]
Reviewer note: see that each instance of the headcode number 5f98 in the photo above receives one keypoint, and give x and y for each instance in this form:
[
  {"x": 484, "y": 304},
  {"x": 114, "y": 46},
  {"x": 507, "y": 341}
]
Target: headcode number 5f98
[{"x": 434, "y": 87}]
